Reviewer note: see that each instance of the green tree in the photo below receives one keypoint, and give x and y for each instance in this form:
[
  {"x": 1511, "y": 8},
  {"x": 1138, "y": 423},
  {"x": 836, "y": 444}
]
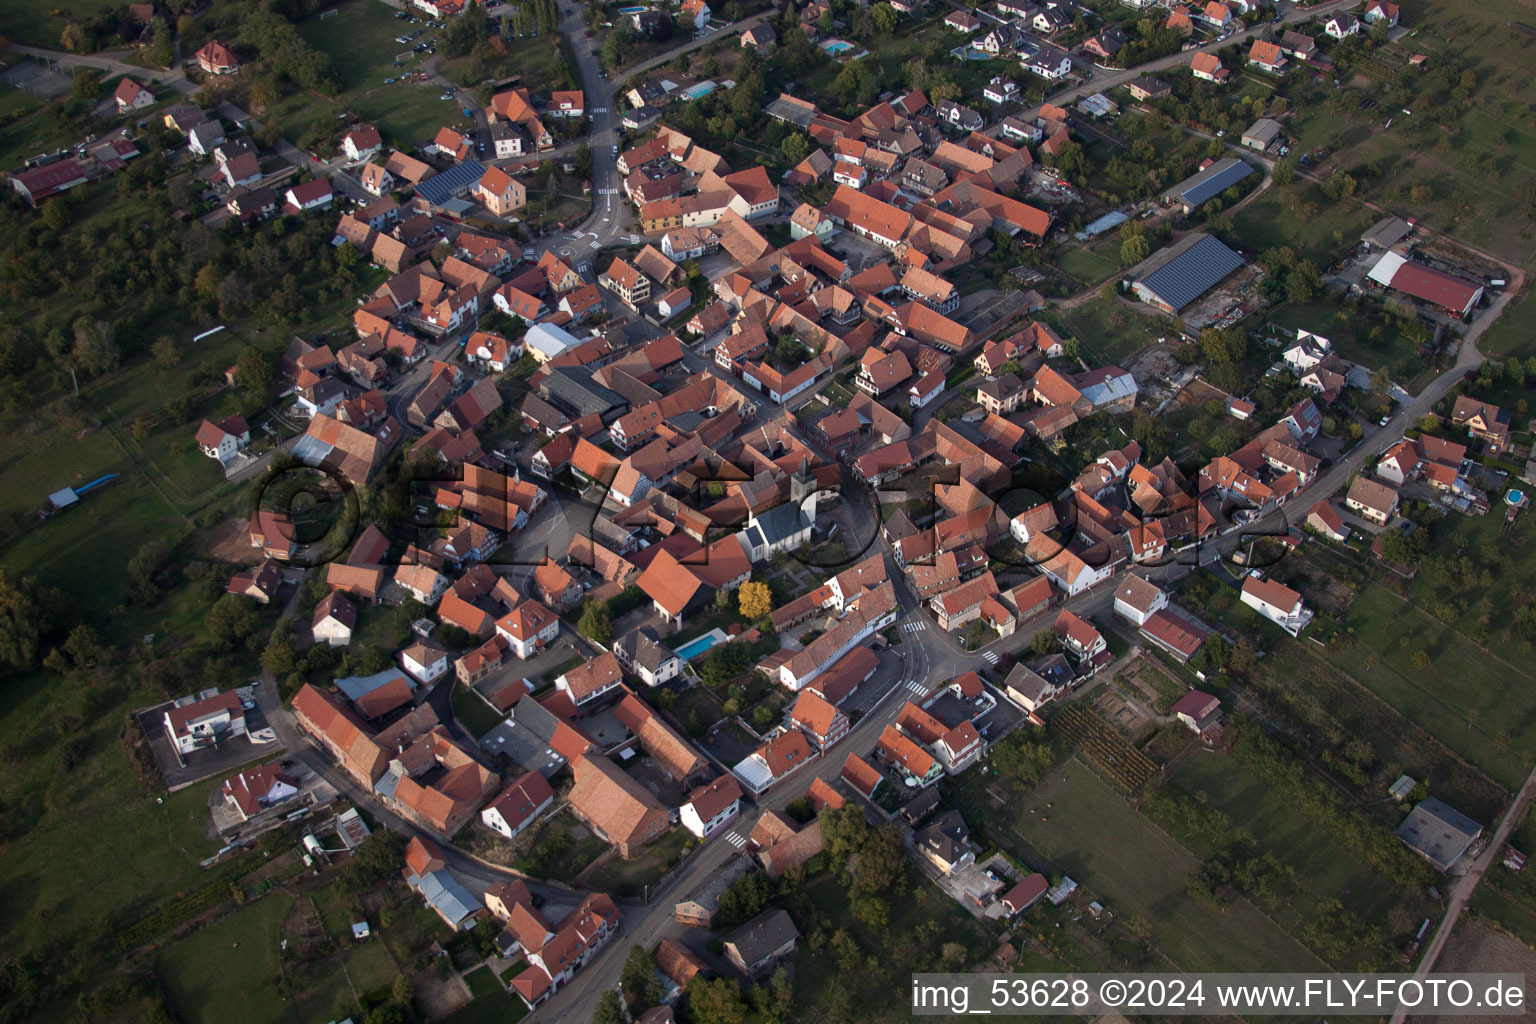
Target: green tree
[
  {"x": 160, "y": 52},
  {"x": 639, "y": 976},
  {"x": 609, "y": 1009},
  {"x": 884, "y": 17},
  {"x": 794, "y": 147},
  {"x": 96, "y": 350},
  {"x": 595, "y": 624},
  {"x": 716, "y": 1001},
  {"x": 1133, "y": 249},
  {"x": 256, "y": 371},
  {"x": 583, "y": 161},
  {"x": 1042, "y": 643},
  {"x": 376, "y": 859},
  {"x": 1224, "y": 345},
  {"x": 84, "y": 646}
]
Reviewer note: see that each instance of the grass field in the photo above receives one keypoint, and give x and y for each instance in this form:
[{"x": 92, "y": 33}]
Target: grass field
[
  {"x": 32, "y": 21},
  {"x": 1095, "y": 836},
  {"x": 1083, "y": 263},
  {"x": 1469, "y": 159},
  {"x": 1478, "y": 705},
  {"x": 58, "y": 887},
  {"x": 1108, "y": 333},
  {"x": 1270, "y": 220},
  {"x": 325, "y": 986},
  {"x": 225, "y": 972},
  {"x": 361, "y": 42},
  {"x": 473, "y": 713},
  {"x": 1252, "y": 805}
]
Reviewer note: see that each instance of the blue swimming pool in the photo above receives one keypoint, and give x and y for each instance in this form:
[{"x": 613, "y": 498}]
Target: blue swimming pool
[
  {"x": 631, "y": 10},
  {"x": 693, "y": 648},
  {"x": 836, "y": 46}
]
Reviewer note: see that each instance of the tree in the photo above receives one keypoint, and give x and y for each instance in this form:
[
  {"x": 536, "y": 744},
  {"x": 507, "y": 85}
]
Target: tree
[
  {"x": 402, "y": 992},
  {"x": 376, "y": 859},
  {"x": 609, "y": 1009},
  {"x": 26, "y": 618},
  {"x": 1043, "y": 642},
  {"x": 1285, "y": 172},
  {"x": 85, "y": 85},
  {"x": 583, "y": 161},
  {"x": 1403, "y": 548},
  {"x": 884, "y": 17},
  {"x": 164, "y": 351},
  {"x": 755, "y": 600},
  {"x": 84, "y": 646},
  {"x": 595, "y": 624},
  {"x": 160, "y": 51},
  {"x": 794, "y": 147},
  {"x": 96, "y": 350},
  {"x": 744, "y": 899},
  {"x": 844, "y": 831},
  {"x": 639, "y": 977},
  {"x": 1227, "y": 345},
  {"x": 716, "y": 1001},
  {"x": 256, "y": 371},
  {"x": 1381, "y": 380},
  {"x": 1133, "y": 249},
  {"x": 1420, "y": 659}
]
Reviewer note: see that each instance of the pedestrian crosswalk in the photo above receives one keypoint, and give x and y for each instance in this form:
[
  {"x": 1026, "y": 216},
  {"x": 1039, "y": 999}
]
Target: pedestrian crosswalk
[
  {"x": 913, "y": 627},
  {"x": 599, "y": 110},
  {"x": 736, "y": 839},
  {"x": 607, "y": 191},
  {"x": 991, "y": 658},
  {"x": 583, "y": 268},
  {"x": 917, "y": 686}
]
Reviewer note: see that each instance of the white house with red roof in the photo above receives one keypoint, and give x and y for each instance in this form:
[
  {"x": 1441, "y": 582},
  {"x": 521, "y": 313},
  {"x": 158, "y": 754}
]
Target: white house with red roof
[
  {"x": 222, "y": 440},
  {"x": 518, "y": 806},
  {"x": 1278, "y": 603},
  {"x": 311, "y": 195},
  {"x": 712, "y": 806},
  {"x": 207, "y": 721},
  {"x": 256, "y": 789},
  {"x": 130, "y": 95},
  {"x": 217, "y": 59}
]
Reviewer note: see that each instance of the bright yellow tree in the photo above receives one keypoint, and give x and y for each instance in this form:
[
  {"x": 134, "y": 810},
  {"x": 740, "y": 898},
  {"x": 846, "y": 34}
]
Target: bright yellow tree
[{"x": 754, "y": 599}]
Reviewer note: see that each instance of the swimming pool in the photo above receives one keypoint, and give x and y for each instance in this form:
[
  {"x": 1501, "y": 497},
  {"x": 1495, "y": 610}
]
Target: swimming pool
[
  {"x": 693, "y": 648},
  {"x": 1514, "y": 497},
  {"x": 836, "y": 46},
  {"x": 631, "y": 10}
]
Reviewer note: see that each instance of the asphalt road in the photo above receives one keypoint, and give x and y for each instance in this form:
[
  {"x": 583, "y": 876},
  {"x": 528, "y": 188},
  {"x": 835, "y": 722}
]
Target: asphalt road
[{"x": 174, "y": 77}]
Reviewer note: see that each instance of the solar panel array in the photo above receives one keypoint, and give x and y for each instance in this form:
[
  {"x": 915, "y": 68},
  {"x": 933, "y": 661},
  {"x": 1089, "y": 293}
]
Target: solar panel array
[
  {"x": 1212, "y": 181},
  {"x": 1192, "y": 273}
]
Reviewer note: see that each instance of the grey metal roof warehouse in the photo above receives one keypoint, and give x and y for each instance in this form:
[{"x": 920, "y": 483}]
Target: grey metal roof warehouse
[
  {"x": 1438, "y": 832},
  {"x": 1212, "y": 181},
  {"x": 1182, "y": 273}
]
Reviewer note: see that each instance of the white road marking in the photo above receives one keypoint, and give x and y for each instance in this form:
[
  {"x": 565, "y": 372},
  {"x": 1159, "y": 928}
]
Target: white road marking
[
  {"x": 991, "y": 658},
  {"x": 736, "y": 839}
]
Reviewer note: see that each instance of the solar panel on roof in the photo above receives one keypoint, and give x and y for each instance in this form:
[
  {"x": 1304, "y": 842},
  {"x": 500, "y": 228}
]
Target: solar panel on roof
[
  {"x": 1212, "y": 181},
  {"x": 441, "y": 188},
  {"x": 1192, "y": 273}
]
